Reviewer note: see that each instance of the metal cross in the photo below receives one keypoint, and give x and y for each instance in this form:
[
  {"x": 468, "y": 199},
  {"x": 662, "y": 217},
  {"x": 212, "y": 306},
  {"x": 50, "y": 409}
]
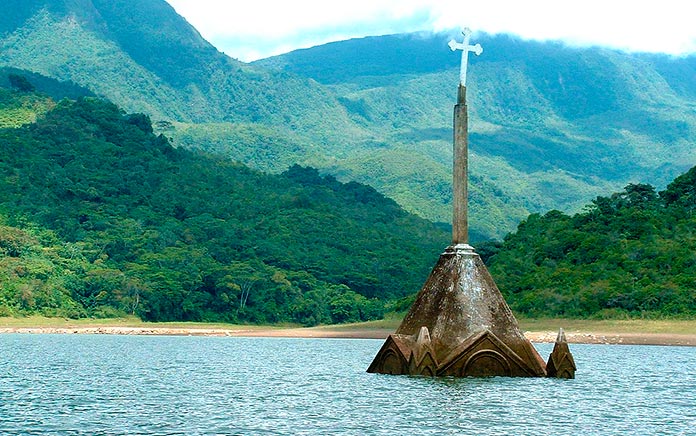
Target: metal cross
[{"x": 466, "y": 48}]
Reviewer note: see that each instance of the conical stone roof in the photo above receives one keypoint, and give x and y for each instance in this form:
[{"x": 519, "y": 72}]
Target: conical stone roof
[{"x": 472, "y": 330}]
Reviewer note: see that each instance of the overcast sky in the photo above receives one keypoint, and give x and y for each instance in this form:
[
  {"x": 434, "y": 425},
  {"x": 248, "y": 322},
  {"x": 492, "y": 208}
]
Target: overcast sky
[{"x": 253, "y": 29}]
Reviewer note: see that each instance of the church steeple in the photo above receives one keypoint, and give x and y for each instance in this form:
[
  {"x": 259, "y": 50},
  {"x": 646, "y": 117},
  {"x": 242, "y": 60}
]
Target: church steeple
[
  {"x": 460, "y": 324},
  {"x": 460, "y": 174}
]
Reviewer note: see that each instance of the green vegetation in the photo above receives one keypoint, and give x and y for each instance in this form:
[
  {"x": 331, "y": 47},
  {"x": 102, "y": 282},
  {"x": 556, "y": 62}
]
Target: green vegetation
[
  {"x": 627, "y": 255},
  {"x": 551, "y": 126},
  {"x": 22, "y": 108},
  {"x": 27, "y": 81},
  {"x": 147, "y": 59},
  {"x": 611, "y": 326},
  {"x": 100, "y": 217}
]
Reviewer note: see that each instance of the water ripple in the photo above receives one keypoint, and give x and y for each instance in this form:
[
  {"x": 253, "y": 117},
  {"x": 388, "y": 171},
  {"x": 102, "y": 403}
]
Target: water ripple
[{"x": 118, "y": 385}]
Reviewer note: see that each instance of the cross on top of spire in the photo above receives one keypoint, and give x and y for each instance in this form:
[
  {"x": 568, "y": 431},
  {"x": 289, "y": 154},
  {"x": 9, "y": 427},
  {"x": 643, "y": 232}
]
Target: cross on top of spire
[{"x": 466, "y": 48}]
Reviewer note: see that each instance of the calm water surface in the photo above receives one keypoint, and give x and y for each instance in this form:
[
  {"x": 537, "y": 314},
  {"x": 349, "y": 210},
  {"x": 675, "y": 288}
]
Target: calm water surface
[{"x": 112, "y": 385}]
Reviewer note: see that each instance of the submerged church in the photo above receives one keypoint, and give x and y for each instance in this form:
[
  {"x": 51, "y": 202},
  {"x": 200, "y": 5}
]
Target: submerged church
[{"x": 460, "y": 324}]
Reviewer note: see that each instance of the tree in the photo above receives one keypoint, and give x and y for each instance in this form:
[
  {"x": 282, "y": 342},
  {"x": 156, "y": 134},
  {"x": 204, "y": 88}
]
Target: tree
[{"x": 20, "y": 83}]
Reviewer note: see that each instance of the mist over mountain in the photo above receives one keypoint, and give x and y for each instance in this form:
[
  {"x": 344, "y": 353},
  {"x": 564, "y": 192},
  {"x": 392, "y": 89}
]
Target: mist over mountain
[{"x": 551, "y": 126}]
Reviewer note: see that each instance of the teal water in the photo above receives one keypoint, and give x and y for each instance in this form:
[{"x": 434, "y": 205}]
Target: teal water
[{"x": 118, "y": 385}]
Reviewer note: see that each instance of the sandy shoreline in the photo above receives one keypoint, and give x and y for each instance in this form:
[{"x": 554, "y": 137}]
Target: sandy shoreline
[{"x": 347, "y": 333}]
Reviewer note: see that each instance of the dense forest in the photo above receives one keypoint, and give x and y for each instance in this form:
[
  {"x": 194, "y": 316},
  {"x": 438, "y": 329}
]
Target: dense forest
[
  {"x": 552, "y": 126},
  {"x": 101, "y": 217},
  {"x": 630, "y": 254}
]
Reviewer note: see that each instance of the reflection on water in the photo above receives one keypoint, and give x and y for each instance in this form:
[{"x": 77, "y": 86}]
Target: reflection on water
[{"x": 81, "y": 384}]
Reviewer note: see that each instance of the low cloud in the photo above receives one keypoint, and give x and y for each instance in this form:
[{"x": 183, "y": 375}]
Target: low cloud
[{"x": 251, "y": 30}]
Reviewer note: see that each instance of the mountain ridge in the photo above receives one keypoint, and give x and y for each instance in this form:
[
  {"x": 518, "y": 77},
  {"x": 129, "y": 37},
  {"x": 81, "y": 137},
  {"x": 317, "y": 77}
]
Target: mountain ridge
[
  {"x": 591, "y": 114},
  {"x": 552, "y": 126},
  {"x": 101, "y": 217}
]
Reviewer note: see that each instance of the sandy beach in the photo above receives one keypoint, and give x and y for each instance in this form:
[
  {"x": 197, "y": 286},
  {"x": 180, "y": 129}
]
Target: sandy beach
[{"x": 575, "y": 337}]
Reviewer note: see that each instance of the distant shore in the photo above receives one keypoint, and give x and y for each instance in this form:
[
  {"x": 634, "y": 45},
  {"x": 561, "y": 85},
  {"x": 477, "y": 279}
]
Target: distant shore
[{"x": 601, "y": 334}]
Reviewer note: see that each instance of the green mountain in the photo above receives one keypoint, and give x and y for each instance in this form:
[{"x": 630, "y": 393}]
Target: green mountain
[
  {"x": 143, "y": 56},
  {"x": 551, "y": 126},
  {"x": 629, "y": 254},
  {"x": 53, "y": 88},
  {"x": 25, "y": 106},
  {"x": 99, "y": 216}
]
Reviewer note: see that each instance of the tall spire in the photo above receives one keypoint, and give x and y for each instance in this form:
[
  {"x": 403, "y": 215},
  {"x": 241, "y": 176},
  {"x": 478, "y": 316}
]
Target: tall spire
[
  {"x": 460, "y": 325},
  {"x": 460, "y": 176},
  {"x": 460, "y": 188}
]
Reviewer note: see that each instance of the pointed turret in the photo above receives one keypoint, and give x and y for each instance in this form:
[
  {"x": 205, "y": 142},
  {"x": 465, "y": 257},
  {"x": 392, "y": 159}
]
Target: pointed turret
[{"x": 561, "y": 363}]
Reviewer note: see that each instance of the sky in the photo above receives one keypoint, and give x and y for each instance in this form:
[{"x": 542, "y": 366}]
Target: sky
[{"x": 252, "y": 29}]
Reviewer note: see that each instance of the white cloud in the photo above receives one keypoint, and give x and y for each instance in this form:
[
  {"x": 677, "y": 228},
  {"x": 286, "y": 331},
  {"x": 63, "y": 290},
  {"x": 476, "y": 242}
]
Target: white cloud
[
  {"x": 252, "y": 29},
  {"x": 278, "y": 19}
]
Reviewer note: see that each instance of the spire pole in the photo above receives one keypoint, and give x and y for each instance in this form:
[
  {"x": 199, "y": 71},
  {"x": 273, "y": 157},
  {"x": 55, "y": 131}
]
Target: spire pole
[{"x": 460, "y": 188}]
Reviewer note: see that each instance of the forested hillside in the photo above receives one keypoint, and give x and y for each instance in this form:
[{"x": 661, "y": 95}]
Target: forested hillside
[
  {"x": 146, "y": 58},
  {"x": 630, "y": 254},
  {"x": 100, "y": 217},
  {"x": 551, "y": 126},
  {"x": 24, "y": 105}
]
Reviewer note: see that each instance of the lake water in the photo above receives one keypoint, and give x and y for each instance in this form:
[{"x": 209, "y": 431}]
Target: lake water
[{"x": 112, "y": 385}]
